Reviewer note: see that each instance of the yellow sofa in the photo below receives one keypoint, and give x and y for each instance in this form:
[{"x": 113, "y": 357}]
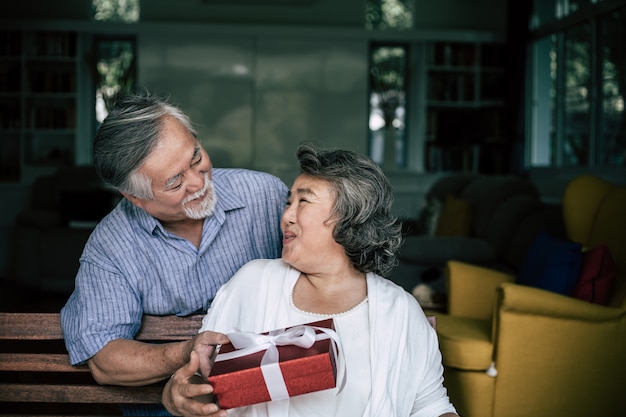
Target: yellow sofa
[{"x": 518, "y": 351}]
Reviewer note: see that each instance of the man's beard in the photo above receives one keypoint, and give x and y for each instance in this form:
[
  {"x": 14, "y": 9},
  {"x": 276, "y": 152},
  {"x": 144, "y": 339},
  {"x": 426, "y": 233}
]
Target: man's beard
[{"x": 205, "y": 207}]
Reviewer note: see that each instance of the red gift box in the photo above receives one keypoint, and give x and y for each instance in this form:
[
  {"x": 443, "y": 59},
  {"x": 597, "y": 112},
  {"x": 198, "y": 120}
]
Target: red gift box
[{"x": 272, "y": 366}]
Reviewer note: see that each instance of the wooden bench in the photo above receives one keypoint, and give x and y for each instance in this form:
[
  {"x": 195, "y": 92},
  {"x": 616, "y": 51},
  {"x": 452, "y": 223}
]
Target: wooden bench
[{"x": 36, "y": 377}]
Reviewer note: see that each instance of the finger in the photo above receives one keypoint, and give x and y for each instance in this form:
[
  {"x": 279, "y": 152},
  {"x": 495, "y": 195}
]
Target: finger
[
  {"x": 190, "y": 368},
  {"x": 186, "y": 381},
  {"x": 210, "y": 338},
  {"x": 206, "y": 361},
  {"x": 212, "y": 410},
  {"x": 183, "y": 396}
]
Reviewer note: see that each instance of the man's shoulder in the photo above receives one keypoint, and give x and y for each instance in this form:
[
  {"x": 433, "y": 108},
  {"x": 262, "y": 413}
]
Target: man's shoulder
[
  {"x": 239, "y": 178},
  {"x": 119, "y": 224},
  {"x": 242, "y": 174}
]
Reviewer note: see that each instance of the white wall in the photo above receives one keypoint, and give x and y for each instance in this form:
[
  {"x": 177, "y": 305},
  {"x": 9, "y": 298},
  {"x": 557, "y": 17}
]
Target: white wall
[
  {"x": 253, "y": 99},
  {"x": 440, "y": 14},
  {"x": 253, "y": 95}
]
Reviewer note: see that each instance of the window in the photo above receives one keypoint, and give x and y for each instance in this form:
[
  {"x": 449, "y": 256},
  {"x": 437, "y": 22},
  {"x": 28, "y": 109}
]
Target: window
[
  {"x": 388, "y": 72},
  {"x": 576, "y": 114},
  {"x": 115, "y": 72},
  {"x": 612, "y": 121},
  {"x": 577, "y": 95},
  {"x": 115, "y": 69},
  {"x": 126, "y": 11},
  {"x": 389, "y": 14},
  {"x": 388, "y": 87}
]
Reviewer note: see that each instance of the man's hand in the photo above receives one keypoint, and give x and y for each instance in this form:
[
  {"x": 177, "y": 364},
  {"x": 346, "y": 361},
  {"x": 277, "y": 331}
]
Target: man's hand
[
  {"x": 185, "y": 394},
  {"x": 204, "y": 345}
]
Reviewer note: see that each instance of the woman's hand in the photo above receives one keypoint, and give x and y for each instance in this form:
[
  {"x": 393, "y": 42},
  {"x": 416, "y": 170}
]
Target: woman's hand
[{"x": 186, "y": 394}]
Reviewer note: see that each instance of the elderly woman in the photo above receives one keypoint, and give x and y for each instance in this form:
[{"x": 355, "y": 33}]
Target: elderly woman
[{"x": 339, "y": 239}]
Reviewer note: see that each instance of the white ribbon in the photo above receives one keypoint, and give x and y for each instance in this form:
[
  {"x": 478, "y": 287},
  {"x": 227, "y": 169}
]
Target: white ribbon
[{"x": 303, "y": 336}]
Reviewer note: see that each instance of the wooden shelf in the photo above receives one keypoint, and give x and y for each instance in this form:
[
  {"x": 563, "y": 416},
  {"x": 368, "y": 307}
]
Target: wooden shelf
[
  {"x": 38, "y": 99},
  {"x": 464, "y": 102}
]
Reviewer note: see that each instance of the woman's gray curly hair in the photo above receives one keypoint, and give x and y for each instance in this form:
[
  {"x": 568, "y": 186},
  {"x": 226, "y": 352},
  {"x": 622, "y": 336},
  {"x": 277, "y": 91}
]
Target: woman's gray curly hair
[{"x": 365, "y": 227}]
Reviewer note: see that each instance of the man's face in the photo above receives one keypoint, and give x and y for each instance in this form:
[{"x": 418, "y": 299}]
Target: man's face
[{"x": 180, "y": 170}]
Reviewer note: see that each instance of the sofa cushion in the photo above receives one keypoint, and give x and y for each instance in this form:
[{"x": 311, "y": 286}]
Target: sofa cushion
[
  {"x": 551, "y": 264},
  {"x": 429, "y": 216},
  {"x": 487, "y": 193},
  {"x": 455, "y": 218},
  {"x": 437, "y": 250},
  {"x": 596, "y": 277},
  {"x": 465, "y": 343}
]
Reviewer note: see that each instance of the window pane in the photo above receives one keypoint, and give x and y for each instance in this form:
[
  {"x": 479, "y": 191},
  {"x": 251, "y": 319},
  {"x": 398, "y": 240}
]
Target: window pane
[
  {"x": 389, "y": 14},
  {"x": 611, "y": 149},
  {"x": 115, "y": 69},
  {"x": 544, "y": 11},
  {"x": 543, "y": 150},
  {"x": 577, "y": 96},
  {"x": 126, "y": 11},
  {"x": 567, "y": 7},
  {"x": 388, "y": 72}
]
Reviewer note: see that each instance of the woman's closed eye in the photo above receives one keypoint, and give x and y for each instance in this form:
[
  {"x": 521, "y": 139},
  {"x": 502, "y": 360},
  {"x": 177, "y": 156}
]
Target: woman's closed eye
[{"x": 301, "y": 200}]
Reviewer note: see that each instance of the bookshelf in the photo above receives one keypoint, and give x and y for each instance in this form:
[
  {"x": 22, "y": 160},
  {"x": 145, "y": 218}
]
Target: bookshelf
[
  {"x": 38, "y": 100},
  {"x": 464, "y": 102}
]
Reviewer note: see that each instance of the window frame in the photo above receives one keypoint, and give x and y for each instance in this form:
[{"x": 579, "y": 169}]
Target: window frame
[{"x": 539, "y": 123}]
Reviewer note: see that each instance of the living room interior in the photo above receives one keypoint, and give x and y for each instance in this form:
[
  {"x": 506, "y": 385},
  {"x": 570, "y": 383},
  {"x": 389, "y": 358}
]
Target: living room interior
[{"x": 490, "y": 103}]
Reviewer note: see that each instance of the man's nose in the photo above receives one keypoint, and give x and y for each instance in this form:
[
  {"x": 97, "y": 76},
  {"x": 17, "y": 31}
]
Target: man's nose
[{"x": 196, "y": 180}]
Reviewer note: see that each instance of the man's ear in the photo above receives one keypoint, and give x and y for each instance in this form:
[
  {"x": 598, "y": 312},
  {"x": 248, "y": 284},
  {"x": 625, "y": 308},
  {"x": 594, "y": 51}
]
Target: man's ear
[{"x": 135, "y": 200}]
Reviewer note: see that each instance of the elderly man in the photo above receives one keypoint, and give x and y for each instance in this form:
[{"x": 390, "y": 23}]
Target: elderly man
[{"x": 180, "y": 232}]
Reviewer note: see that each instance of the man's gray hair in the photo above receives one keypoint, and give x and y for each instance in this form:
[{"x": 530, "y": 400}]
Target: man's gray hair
[
  {"x": 365, "y": 226},
  {"x": 127, "y": 137}
]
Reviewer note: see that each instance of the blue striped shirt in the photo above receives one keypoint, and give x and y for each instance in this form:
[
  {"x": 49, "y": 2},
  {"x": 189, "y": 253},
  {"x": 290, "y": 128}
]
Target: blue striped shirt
[{"x": 132, "y": 266}]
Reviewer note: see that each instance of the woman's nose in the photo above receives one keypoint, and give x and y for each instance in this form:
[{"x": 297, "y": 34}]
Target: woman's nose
[{"x": 288, "y": 214}]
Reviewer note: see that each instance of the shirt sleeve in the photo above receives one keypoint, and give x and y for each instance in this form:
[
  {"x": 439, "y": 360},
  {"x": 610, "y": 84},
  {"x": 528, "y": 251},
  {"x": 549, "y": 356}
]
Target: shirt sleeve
[
  {"x": 102, "y": 308},
  {"x": 432, "y": 398}
]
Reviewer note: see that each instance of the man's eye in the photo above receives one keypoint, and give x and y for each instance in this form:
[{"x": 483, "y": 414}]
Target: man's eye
[
  {"x": 196, "y": 162},
  {"x": 176, "y": 187}
]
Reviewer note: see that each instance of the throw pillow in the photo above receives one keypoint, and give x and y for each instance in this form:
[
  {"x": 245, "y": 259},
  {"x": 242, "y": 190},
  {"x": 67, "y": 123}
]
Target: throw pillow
[
  {"x": 596, "y": 277},
  {"x": 455, "y": 218},
  {"x": 551, "y": 264},
  {"x": 429, "y": 215}
]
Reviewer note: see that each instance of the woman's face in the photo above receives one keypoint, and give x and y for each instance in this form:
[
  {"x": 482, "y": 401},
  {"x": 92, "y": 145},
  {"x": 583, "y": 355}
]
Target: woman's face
[{"x": 307, "y": 227}]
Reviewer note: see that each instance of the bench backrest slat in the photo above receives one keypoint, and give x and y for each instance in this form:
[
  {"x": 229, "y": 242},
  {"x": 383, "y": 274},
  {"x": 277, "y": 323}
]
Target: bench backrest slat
[
  {"x": 30, "y": 326},
  {"x": 47, "y": 326},
  {"x": 35, "y": 368},
  {"x": 79, "y": 394},
  {"x": 37, "y": 362}
]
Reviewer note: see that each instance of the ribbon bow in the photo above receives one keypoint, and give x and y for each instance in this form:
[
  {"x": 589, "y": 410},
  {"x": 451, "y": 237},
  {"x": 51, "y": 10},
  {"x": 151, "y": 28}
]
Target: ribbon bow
[{"x": 303, "y": 336}]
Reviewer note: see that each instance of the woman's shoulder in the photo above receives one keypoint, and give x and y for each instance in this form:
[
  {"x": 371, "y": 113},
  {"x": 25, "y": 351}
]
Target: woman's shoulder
[
  {"x": 391, "y": 291},
  {"x": 257, "y": 271},
  {"x": 260, "y": 265}
]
